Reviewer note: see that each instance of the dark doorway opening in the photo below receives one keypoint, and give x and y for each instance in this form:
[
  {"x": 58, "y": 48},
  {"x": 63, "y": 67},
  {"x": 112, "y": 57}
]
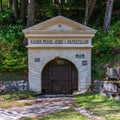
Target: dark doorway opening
[{"x": 59, "y": 76}]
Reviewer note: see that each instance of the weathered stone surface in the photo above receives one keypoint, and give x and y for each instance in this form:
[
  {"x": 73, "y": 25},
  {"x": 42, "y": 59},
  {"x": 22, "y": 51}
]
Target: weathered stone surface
[
  {"x": 108, "y": 88},
  {"x": 111, "y": 87},
  {"x": 12, "y": 86},
  {"x": 98, "y": 85},
  {"x": 34, "y": 71}
]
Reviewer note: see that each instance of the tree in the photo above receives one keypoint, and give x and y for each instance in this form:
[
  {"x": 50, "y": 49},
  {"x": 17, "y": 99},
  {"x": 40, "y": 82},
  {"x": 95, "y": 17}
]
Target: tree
[
  {"x": 86, "y": 12},
  {"x": 31, "y": 9},
  {"x": 22, "y": 9},
  {"x": 0, "y": 5},
  {"x": 30, "y": 19},
  {"x": 108, "y": 14},
  {"x": 15, "y": 9},
  {"x": 9, "y": 3},
  {"x": 92, "y": 4}
]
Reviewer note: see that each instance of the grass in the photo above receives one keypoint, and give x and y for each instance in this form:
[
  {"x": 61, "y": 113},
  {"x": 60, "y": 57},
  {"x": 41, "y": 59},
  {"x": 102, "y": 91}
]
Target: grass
[
  {"x": 68, "y": 114},
  {"x": 12, "y": 99},
  {"x": 100, "y": 105},
  {"x": 11, "y": 76}
]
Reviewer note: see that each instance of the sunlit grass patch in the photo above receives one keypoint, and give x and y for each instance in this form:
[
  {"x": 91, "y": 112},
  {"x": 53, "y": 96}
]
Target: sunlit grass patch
[
  {"x": 12, "y": 99},
  {"x": 68, "y": 114},
  {"x": 100, "y": 105}
]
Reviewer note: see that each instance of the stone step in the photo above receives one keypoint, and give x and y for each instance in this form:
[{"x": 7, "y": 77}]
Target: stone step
[{"x": 56, "y": 95}]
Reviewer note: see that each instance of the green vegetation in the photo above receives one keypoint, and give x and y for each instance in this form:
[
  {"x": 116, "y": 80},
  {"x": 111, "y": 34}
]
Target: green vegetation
[
  {"x": 106, "y": 51},
  {"x": 12, "y": 99},
  {"x": 100, "y": 105},
  {"x": 68, "y": 114},
  {"x": 14, "y": 75},
  {"x": 13, "y": 54}
]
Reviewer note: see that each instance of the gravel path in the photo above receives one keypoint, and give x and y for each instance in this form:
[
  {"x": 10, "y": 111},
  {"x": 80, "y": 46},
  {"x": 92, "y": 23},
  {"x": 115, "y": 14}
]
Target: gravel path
[
  {"x": 88, "y": 113},
  {"x": 42, "y": 106}
]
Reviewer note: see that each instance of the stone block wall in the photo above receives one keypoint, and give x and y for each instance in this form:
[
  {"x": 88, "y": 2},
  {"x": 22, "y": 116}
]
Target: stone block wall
[
  {"x": 45, "y": 56},
  {"x": 109, "y": 88},
  {"x": 12, "y": 86}
]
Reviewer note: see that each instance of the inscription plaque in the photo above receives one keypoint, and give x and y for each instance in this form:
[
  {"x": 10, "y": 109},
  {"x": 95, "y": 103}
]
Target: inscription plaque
[
  {"x": 84, "y": 63},
  {"x": 37, "y": 60},
  {"x": 59, "y": 41},
  {"x": 80, "y": 56}
]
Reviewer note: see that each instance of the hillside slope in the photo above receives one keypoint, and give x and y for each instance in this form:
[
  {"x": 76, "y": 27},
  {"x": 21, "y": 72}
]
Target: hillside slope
[{"x": 106, "y": 51}]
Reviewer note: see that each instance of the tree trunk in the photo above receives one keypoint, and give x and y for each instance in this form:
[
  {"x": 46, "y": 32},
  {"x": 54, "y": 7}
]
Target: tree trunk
[
  {"x": 0, "y": 5},
  {"x": 30, "y": 19},
  {"x": 15, "y": 9},
  {"x": 22, "y": 9},
  {"x": 86, "y": 12},
  {"x": 108, "y": 14},
  {"x": 92, "y": 4},
  {"x": 9, "y": 3}
]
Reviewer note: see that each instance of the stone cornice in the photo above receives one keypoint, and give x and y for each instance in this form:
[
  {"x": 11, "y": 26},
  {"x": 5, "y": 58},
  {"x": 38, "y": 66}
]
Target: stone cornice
[
  {"x": 59, "y": 32},
  {"x": 39, "y": 36}
]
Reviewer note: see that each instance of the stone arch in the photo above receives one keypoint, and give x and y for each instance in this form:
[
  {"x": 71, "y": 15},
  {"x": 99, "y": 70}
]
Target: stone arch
[{"x": 59, "y": 76}]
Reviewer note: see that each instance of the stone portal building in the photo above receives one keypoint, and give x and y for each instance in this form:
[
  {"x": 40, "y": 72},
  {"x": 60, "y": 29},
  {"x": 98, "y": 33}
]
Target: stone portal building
[{"x": 59, "y": 56}]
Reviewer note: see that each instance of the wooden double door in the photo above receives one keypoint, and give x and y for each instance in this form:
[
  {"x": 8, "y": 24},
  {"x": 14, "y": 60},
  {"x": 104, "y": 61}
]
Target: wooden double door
[{"x": 59, "y": 77}]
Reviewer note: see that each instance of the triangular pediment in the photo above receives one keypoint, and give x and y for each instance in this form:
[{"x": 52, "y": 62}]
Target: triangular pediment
[
  {"x": 59, "y": 23},
  {"x": 59, "y": 27}
]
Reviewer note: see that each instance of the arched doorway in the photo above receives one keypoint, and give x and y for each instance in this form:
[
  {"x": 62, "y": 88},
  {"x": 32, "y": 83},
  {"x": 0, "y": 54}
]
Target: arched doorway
[{"x": 59, "y": 76}]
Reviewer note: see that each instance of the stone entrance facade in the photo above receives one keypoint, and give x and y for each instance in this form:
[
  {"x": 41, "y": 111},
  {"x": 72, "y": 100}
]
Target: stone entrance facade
[{"x": 68, "y": 45}]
